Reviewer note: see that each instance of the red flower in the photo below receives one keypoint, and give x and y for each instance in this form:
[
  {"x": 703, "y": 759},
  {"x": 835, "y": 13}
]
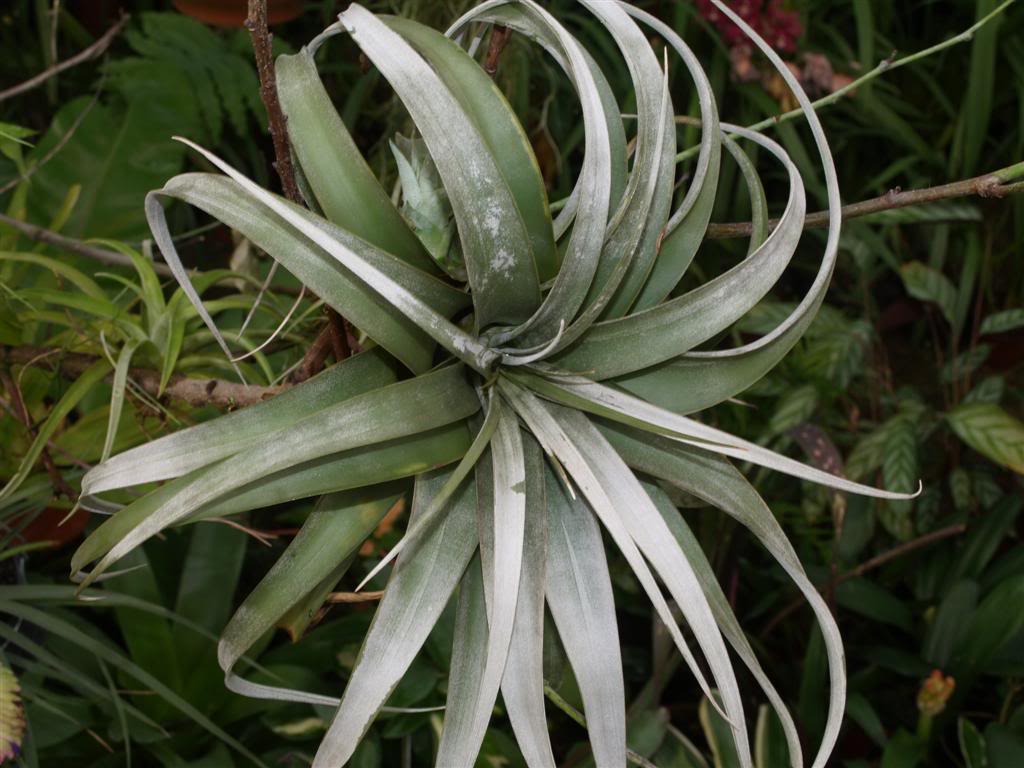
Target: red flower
[{"x": 780, "y": 27}]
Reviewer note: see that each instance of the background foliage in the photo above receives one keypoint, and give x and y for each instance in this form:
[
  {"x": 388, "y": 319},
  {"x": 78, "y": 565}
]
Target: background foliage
[{"x": 913, "y": 370}]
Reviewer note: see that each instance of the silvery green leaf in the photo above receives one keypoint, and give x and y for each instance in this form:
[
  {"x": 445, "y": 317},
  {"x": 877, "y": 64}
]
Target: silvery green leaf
[
  {"x": 624, "y": 408},
  {"x": 522, "y": 687},
  {"x": 579, "y": 593},
  {"x": 663, "y": 332},
  {"x": 425, "y": 317},
  {"x": 344, "y": 186},
  {"x": 183, "y": 451},
  {"x": 417, "y": 592},
  {"x": 715, "y": 480},
  {"x": 388, "y": 413},
  {"x": 501, "y": 510},
  {"x": 654, "y": 540},
  {"x": 685, "y": 229},
  {"x": 550, "y": 429},
  {"x": 495, "y": 241},
  {"x": 488, "y": 109},
  {"x": 579, "y": 266},
  {"x": 424, "y": 201},
  {"x": 305, "y": 255},
  {"x": 336, "y": 528}
]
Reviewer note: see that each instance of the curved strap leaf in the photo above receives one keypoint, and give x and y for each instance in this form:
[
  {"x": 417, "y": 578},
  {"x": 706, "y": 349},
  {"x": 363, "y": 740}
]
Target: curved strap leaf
[
  {"x": 718, "y": 482},
  {"x": 188, "y": 449},
  {"x": 496, "y": 243},
  {"x": 549, "y": 425},
  {"x": 636, "y": 236},
  {"x": 685, "y": 230},
  {"x": 346, "y": 190},
  {"x": 499, "y": 127},
  {"x": 329, "y": 536},
  {"x": 392, "y": 412},
  {"x": 359, "y": 258},
  {"x": 522, "y": 686},
  {"x": 417, "y": 592},
  {"x": 665, "y": 331},
  {"x": 581, "y": 260},
  {"x": 339, "y": 286},
  {"x": 626, "y": 409},
  {"x": 356, "y": 468},
  {"x": 579, "y": 593}
]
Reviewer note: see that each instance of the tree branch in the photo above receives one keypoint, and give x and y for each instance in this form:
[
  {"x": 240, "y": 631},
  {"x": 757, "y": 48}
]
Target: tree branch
[
  {"x": 91, "y": 52},
  {"x": 102, "y": 255},
  {"x": 988, "y": 186},
  {"x": 256, "y": 23},
  {"x": 869, "y": 565},
  {"x": 222, "y": 394}
]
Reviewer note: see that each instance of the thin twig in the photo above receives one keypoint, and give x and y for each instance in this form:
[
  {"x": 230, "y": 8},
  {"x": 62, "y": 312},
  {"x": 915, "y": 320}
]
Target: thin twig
[
  {"x": 218, "y": 393},
  {"x": 988, "y": 186},
  {"x": 102, "y": 255},
  {"x": 868, "y": 565},
  {"x": 315, "y": 357},
  {"x": 256, "y": 23},
  {"x": 354, "y": 597},
  {"x": 91, "y": 52}
]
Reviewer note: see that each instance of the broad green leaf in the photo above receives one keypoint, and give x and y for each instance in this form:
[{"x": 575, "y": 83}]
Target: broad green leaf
[
  {"x": 716, "y": 731},
  {"x": 950, "y": 622},
  {"x": 991, "y": 431},
  {"x": 1001, "y": 322},
  {"x": 927, "y": 284},
  {"x": 116, "y": 157},
  {"x": 972, "y": 744},
  {"x": 900, "y": 471}
]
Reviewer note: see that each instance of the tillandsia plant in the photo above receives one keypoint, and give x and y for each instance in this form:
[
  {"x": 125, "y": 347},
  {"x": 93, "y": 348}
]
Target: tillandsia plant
[{"x": 549, "y": 395}]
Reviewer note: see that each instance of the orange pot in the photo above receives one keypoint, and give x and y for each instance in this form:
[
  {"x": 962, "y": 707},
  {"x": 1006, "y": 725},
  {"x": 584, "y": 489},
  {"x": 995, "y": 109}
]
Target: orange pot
[{"x": 232, "y": 13}]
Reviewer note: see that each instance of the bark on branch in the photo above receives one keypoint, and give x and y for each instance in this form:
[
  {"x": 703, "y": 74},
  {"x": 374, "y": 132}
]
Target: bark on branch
[
  {"x": 226, "y": 395},
  {"x": 990, "y": 185}
]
